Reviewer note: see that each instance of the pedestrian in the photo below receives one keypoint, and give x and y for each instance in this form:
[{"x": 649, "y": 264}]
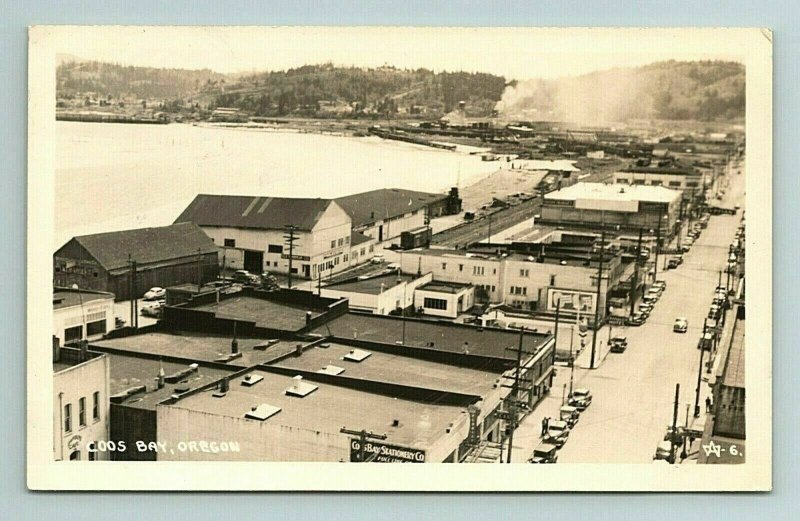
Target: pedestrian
[
  {"x": 545, "y": 422},
  {"x": 708, "y": 404}
]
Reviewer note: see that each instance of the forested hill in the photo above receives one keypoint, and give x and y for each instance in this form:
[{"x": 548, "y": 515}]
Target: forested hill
[
  {"x": 77, "y": 78},
  {"x": 311, "y": 88},
  {"x": 699, "y": 90}
]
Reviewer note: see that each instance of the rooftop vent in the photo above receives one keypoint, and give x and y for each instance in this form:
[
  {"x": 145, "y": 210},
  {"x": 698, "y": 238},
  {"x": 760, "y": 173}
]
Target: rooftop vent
[
  {"x": 356, "y": 355},
  {"x": 300, "y": 388},
  {"x": 395, "y": 423},
  {"x": 251, "y": 379},
  {"x": 262, "y": 412},
  {"x": 324, "y": 346},
  {"x": 331, "y": 370},
  {"x": 261, "y": 346}
]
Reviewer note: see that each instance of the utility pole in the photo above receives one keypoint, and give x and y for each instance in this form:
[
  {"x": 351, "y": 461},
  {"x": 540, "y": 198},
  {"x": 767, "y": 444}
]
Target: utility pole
[
  {"x": 290, "y": 238},
  {"x": 363, "y": 435},
  {"x": 489, "y": 237},
  {"x": 684, "y": 454},
  {"x": 555, "y": 336},
  {"x": 719, "y": 279},
  {"x": 319, "y": 283},
  {"x": 635, "y": 283},
  {"x": 700, "y": 371},
  {"x": 674, "y": 433},
  {"x": 515, "y": 398},
  {"x": 130, "y": 286},
  {"x": 597, "y": 302},
  {"x": 199, "y": 270},
  {"x": 658, "y": 245}
]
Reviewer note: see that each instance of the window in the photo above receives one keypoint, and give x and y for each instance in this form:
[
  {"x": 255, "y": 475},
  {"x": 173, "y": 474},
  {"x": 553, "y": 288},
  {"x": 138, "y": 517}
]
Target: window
[
  {"x": 345, "y": 257},
  {"x": 73, "y": 333},
  {"x": 444, "y": 266},
  {"x": 552, "y": 280},
  {"x": 492, "y": 289},
  {"x": 341, "y": 241},
  {"x": 371, "y": 249},
  {"x": 638, "y": 181},
  {"x": 275, "y": 248},
  {"x": 460, "y": 267},
  {"x": 516, "y": 290},
  {"x": 524, "y": 273},
  {"x": 96, "y": 328},
  {"x": 435, "y": 303},
  {"x": 364, "y": 251},
  {"x": 622, "y": 181},
  {"x": 230, "y": 243},
  {"x": 92, "y": 453},
  {"x": 347, "y": 240},
  {"x": 96, "y": 405},
  {"x": 494, "y": 271},
  {"x": 656, "y": 183},
  {"x": 333, "y": 243},
  {"x": 692, "y": 184},
  {"x": 82, "y": 412},
  {"x": 477, "y": 270},
  {"x": 68, "y": 417},
  {"x": 675, "y": 183}
]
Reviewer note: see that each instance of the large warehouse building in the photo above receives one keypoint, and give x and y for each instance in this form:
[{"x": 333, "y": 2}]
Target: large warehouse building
[
  {"x": 164, "y": 256},
  {"x": 613, "y": 205}
]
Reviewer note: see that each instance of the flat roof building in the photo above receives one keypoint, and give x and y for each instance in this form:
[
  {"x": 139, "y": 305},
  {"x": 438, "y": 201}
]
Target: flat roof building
[
  {"x": 615, "y": 206},
  {"x": 381, "y": 295},
  {"x": 82, "y": 314}
]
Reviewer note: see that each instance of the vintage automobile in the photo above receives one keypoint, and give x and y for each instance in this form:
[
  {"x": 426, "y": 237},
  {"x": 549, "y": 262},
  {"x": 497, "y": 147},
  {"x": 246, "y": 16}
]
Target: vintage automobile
[
  {"x": 557, "y": 433},
  {"x": 544, "y": 453},
  {"x": 636, "y": 320},
  {"x": 681, "y": 325},
  {"x": 155, "y": 293},
  {"x": 569, "y": 414},
  {"x": 619, "y": 344},
  {"x": 580, "y": 398},
  {"x": 663, "y": 451},
  {"x": 152, "y": 310},
  {"x": 245, "y": 277}
]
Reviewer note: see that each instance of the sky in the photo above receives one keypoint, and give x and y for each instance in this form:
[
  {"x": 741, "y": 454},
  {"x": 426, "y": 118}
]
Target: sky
[{"x": 518, "y": 53}]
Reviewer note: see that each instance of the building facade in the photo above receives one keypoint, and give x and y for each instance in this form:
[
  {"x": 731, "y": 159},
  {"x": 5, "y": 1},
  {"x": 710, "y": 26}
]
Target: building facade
[
  {"x": 253, "y": 233},
  {"x": 82, "y": 314},
  {"x": 81, "y": 404},
  {"x": 444, "y": 299},
  {"x": 617, "y": 206}
]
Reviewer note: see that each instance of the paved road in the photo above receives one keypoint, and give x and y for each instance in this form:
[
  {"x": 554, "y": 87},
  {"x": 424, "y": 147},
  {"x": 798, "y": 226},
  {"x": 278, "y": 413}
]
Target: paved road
[{"x": 634, "y": 392}]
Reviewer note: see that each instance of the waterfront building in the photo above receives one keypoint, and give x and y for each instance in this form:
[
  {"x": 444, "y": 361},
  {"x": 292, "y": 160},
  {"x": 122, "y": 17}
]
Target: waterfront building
[{"x": 164, "y": 256}]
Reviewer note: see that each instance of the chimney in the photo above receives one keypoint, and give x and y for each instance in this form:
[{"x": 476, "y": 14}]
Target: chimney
[
  {"x": 308, "y": 318},
  {"x": 56, "y": 349},
  {"x": 395, "y": 423},
  {"x": 224, "y": 385},
  {"x": 234, "y": 346},
  {"x": 298, "y": 350},
  {"x": 466, "y": 348},
  {"x": 160, "y": 378}
]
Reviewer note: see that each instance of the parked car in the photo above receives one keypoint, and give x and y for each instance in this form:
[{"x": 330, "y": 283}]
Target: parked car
[
  {"x": 706, "y": 341},
  {"x": 663, "y": 451},
  {"x": 152, "y": 310},
  {"x": 544, "y": 453},
  {"x": 580, "y": 398},
  {"x": 714, "y": 312},
  {"x": 619, "y": 344},
  {"x": 636, "y": 320},
  {"x": 155, "y": 293},
  {"x": 681, "y": 325},
  {"x": 119, "y": 322},
  {"x": 569, "y": 414},
  {"x": 672, "y": 263},
  {"x": 660, "y": 284},
  {"x": 685, "y": 248},
  {"x": 245, "y": 277},
  {"x": 645, "y": 307},
  {"x": 557, "y": 433}
]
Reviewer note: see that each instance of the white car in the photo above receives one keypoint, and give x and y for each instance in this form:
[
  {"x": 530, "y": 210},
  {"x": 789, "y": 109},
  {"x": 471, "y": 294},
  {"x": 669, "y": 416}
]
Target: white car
[
  {"x": 681, "y": 325},
  {"x": 155, "y": 293}
]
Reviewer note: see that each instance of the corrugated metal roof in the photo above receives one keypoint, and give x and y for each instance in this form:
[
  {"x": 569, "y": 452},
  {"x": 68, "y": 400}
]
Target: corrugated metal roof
[
  {"x": 372, "y": 206},
  {"x": 146, "y": 245},
  {"x": 264, "y": 213}
]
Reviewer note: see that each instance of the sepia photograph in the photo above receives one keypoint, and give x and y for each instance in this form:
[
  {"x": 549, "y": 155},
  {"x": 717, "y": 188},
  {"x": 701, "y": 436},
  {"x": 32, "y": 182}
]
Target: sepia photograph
[{"x": 277, "y": 251}]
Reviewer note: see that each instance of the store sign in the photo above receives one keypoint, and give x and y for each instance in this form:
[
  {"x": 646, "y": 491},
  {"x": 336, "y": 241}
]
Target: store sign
[
  {"x": 296, "y": 257},
  {"x": 571, "y": 300},
  {"x": 384, "y": 453},
  {"x": 74, "y": 442}
]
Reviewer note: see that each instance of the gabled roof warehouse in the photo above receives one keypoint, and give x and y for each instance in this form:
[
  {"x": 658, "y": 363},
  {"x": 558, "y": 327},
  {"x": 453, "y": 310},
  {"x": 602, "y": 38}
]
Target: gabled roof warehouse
[
  {"x": 146, "y": 245},
  {"x": 385, "y": 203},
  {"x": 254, "y": 212}
]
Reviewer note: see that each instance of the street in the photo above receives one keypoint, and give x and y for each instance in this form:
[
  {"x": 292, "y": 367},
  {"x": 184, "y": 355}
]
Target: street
[{"x": 633, "y": 392}]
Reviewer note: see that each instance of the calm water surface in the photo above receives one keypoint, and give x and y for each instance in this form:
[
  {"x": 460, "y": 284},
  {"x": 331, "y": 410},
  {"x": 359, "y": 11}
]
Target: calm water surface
[{"x": 119, "y": 176}]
